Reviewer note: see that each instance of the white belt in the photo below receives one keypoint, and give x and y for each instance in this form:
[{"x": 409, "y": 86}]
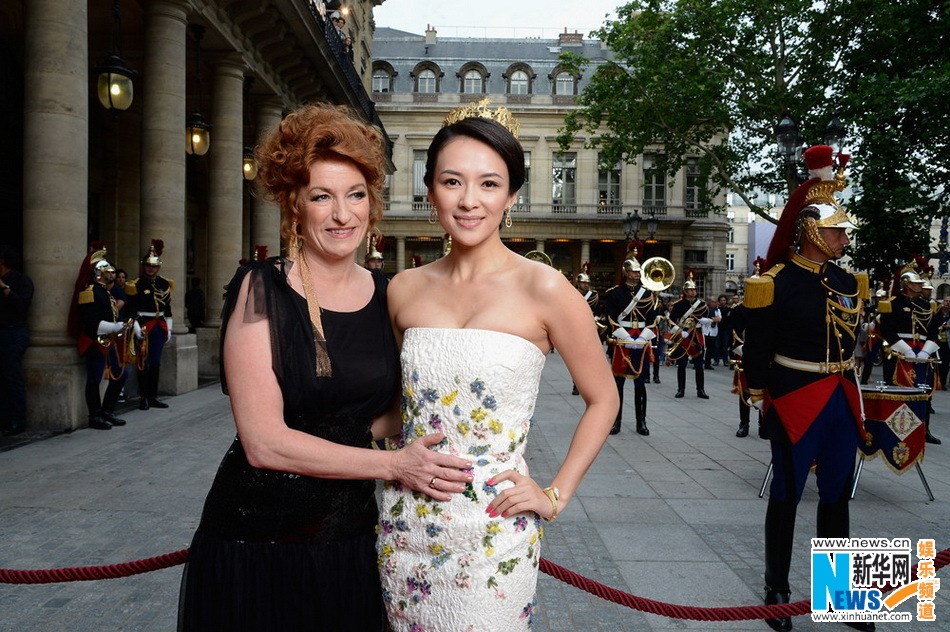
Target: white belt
[
  {"x": 151, "y": 315},
  {"x": 814, "y": 367},
  {"x": 909, "y": 336},
  {"x": 636, "y": 324}
]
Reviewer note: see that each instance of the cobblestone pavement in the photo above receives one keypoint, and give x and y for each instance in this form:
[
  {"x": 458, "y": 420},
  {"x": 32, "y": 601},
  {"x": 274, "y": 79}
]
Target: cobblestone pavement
[{"x": 674, "y": 517}]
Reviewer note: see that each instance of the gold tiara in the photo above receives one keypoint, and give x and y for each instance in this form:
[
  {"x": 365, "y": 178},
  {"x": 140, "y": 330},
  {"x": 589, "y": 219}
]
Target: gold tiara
[{"x": 500, "y": 115}]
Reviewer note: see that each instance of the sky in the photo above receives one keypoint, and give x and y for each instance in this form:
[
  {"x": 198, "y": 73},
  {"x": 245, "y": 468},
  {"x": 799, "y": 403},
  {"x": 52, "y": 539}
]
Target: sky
[{"x": 495, "y": 18}]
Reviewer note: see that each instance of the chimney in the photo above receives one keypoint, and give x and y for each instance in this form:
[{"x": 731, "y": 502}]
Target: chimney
[
  {"x": 430, "y": 34},
  {"x": 570, "y": 39}
]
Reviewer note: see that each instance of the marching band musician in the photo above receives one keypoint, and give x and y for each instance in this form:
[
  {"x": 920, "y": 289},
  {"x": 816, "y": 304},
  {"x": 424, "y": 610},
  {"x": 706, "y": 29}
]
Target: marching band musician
[
  {"x": 150, "y": 303},
  {"x": 631, "y": 311},
  {"x": 873, "y": 343},
  {"x": 94, "y": 321},
  {"x": 802, "y": 316},
  {"x": 740, "y": 385},
  {"x": 911, "y": 328},
  {"x": 582, "y": 283},
  {"x": 687, "y": 316}
]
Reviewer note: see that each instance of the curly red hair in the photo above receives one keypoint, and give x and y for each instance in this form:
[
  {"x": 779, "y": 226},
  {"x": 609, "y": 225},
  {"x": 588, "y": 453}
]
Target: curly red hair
[{"x": 311, "y": 133}]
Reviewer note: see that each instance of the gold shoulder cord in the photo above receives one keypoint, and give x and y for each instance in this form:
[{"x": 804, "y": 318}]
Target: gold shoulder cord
[{"x": 840, "y": 319}]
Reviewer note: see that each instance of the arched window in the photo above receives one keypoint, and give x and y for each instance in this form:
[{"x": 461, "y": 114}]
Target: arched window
[
  {"x": 565, "y": 84},
  {"x": 382, "y": 80},
  {"x": 518, "y": 83},
  {"x": 473, "y": 82},
  {"x": 426, "y": 81}
]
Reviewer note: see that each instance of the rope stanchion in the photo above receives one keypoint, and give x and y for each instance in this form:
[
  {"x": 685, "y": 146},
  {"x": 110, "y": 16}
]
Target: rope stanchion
[{"x": 674, "y": 611}]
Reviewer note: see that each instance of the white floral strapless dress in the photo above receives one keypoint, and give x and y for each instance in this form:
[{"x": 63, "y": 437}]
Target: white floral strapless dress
[{"x": 447, "y": 566}]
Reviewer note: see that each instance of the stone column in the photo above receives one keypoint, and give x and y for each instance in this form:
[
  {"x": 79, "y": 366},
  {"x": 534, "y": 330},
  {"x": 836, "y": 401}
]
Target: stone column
[
  {"x": 539, "y": 245},
  {"x": 55, "y": 192},
  {"x": 585, "y": 251},
  {"x": 265, "y": 215},
  {"x": 400, "y": 254},
  {"x": 225, "y": 201},
  {"x": 226, "y": 197},
  {"x": 163, "y": 174}
]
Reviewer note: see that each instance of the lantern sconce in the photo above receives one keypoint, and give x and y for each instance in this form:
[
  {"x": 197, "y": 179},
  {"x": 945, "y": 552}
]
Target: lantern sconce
[
  {"x": 198, "y": 130},
  {"x": 114, "y": 85}
]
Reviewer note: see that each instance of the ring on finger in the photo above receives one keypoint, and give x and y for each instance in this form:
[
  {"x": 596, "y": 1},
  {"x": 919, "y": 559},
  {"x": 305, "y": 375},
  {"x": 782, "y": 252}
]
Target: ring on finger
[{"x": 432, "y": 482}]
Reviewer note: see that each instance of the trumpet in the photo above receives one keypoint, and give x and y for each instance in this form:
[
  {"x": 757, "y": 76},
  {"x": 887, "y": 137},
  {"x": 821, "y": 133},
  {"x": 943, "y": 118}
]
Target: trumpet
[{"x": 658, "y": 274}]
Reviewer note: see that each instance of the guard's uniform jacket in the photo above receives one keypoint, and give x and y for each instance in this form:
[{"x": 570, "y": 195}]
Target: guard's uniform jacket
[
  {"x": 150, "y": 302},
  {"x": 686, "y": 314},
  {"x": 633, "y": 309},
  {"x": 801, "y": 322},
  {"x": 915, "y": 322},
  {"x": 95, "y": 304}
]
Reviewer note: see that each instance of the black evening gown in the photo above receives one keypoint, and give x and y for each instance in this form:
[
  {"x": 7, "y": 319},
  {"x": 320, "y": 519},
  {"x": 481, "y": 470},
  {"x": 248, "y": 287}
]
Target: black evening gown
[{"x": 280, "y": 551}]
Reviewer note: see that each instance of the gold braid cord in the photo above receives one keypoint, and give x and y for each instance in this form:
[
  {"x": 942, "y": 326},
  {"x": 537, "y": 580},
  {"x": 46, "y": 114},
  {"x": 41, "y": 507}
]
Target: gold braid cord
[
  {"x": 500, "y": 115},
  {"x": 842, "y": 323},
  {"x": 810, "y": 230}
]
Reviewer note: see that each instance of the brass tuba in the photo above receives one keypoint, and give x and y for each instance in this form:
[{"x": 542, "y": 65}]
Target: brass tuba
[
  {"x": 658, "y": 274},
  {"x": 537, "y": 255}
]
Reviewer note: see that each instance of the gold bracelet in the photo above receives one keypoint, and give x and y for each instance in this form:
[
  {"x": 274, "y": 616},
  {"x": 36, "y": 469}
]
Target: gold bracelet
[{"x": 553, "y": 495}]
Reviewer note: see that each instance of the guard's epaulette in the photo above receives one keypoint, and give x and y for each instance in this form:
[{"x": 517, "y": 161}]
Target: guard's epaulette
[
  {"x": 86, "y": 296},
  {"x": 171, "y": 284},
  {"x": 884, "y": 306},
  {"x": 760, "y": 290},
  {"x": 131, "y": 289},
  {"x": 864, "y": 285}
]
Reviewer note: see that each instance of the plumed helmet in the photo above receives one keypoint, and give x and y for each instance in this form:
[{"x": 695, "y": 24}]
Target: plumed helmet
[
  {"x": 153, "y": 258},
  {"x": 582, "y": 278}
]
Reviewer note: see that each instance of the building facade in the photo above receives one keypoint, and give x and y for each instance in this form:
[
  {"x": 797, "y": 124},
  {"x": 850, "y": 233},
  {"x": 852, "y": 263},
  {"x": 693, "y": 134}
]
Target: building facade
[
  {"x": 571, "y": 207},
  {"x": 80, "y": 169}
]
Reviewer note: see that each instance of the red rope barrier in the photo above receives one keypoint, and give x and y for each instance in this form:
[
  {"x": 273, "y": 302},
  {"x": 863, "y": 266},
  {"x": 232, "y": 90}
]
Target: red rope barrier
[{"x": 675, "y": 611}]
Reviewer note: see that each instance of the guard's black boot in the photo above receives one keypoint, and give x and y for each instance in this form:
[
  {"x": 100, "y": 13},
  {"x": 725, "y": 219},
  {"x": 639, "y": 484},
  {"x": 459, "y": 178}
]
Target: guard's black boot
[
  {"x": 615, "y": 429},
  {"x": 773, "y": 597},
  {"x": 640, "y": 405},
  {"x": 929, "y": 437},
  {"x": 112, "y": 419},
  {"x": 680, "y": 381},
  {"x": 702, "y": 395},
  {"x": 743, "y": 430},
  {"x": 700, "y": 382},
  {"x": 779, "y": 534},
  {"x": 143, "y": 403},
  {"x": 97, "y": 422},
  {"x": 155, "y": 403},
  {"x": 833, "y": 519}
]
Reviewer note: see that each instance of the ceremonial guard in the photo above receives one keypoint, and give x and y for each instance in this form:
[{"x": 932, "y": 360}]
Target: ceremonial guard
[
  {"x": 873, "y": 342},
  {"x": 802, "y": 317},
  {"x": 94, "y": 319},
  {"x": 631, "y": 311},
  {"x": 740, "y": 386},
  {"x": 373, "y": 259},
  {"x": 686, "y": 342},
  {"x": 582, "y": 283},
  {"x": 150, "y": 303},
  {"x": 911, "y": 329}
]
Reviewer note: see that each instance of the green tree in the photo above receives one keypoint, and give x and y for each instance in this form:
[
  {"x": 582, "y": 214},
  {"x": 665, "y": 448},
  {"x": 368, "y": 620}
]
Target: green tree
[
  {"x": 710, "y": 79},
  {"x": 893, "y": 88}
]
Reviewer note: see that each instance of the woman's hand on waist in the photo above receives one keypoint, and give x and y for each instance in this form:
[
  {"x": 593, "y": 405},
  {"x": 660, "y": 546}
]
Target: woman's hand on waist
[
  {"x": 433, "y": 473},
  {"x": 526, "y": 495}
]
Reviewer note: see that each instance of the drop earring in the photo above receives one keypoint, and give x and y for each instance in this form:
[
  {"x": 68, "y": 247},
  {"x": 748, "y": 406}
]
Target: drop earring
[
  {"x": 508, "y": 217},
  {"x": 433, "y": 216}
]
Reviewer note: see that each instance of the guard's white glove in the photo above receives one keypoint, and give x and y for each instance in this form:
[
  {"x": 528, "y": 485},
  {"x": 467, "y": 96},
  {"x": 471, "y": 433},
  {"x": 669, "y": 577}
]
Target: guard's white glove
[
  {"x": 684, "y": 333},
  {"x": 170, "y": 326},
  {"x": 621, "y": 334},
  {"x": 137, "y": 328},
  {"x": 930, "y": 347},
  {"x": 904, "y": 349},
  {"x": 646, "y": 335},
  {"x": 705, "y": 322},
  {"x": 107, "y": 327},
  {"x": 738, "y": 350}
]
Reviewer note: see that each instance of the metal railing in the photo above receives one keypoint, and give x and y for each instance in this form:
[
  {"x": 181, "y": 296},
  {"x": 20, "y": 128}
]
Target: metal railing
[{"x": 602, "y": 212}]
